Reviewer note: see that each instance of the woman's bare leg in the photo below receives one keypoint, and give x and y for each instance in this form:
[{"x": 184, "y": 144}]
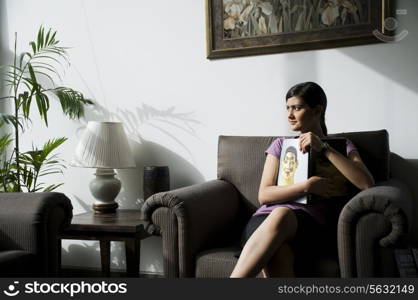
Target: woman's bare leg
[
  {"x": 281, "y": 264},
  {"x": 279, "y": 227}
]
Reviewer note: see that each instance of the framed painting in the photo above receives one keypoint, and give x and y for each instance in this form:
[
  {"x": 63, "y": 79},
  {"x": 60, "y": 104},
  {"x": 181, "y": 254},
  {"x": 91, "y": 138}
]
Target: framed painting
[{"x": 251, "y": 27}]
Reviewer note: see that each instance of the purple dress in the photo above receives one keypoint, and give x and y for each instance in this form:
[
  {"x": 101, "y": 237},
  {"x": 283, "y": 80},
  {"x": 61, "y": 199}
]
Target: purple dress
[{"x": 318, "y": 210}]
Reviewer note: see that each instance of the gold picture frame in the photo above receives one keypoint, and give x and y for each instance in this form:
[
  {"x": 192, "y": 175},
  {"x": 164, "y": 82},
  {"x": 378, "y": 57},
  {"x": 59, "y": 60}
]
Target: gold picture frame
[{"x": 252, "y": 27}]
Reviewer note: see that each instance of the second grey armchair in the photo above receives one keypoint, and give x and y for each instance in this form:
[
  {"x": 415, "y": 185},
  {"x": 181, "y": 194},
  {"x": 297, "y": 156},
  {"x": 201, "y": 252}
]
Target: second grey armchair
[{"x": 29, "y": 228}]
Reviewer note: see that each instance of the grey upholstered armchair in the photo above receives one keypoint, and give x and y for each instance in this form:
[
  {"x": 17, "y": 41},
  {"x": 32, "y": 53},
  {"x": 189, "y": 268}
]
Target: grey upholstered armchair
[
  {"x": 201, "y": 224},
  {"x": 29, "y": 228}
]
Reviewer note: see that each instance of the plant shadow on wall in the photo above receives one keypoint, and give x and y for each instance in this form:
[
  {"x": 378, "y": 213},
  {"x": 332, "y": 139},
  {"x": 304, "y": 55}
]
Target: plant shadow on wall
[
  {"x": 90, "y": 252},
  {"x": 166, "y": 122},
  {"x": 148, "y": 153}
]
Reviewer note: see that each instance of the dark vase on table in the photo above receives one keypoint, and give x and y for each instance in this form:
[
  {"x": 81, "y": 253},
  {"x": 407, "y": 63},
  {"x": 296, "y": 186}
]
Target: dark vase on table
[{"x": 156, "y": 179}]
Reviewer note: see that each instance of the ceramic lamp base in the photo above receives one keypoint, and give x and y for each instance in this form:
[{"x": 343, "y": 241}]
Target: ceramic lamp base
[
  {"x": 105, "y": 187},
  {"x": 101, "y": 208}
]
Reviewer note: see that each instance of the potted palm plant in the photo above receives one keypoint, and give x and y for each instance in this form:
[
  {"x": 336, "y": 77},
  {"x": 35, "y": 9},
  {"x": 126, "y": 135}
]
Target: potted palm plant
[{"x": 30, "y": 81}]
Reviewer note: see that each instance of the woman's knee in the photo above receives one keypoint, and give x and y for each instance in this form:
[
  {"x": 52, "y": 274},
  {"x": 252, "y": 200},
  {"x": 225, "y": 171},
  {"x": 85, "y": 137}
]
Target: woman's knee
[{"x": 282, "y": 219}]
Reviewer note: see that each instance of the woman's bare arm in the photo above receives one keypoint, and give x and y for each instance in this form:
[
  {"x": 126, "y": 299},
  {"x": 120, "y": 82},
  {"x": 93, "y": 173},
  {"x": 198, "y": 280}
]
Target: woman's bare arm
[{"x": 352, "y": 168}]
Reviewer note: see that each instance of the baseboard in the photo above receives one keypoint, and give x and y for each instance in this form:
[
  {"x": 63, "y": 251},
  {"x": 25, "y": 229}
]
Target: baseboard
[{"x": 71, "y": 272}]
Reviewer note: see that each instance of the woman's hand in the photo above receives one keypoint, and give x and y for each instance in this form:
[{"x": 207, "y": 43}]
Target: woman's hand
[
  {"x": 320, "y": 186},
  {"x": 310, "y": 139}
]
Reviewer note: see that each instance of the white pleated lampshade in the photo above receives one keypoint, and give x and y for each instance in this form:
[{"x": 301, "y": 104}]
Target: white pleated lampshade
[{"x": 104, "y": 145}]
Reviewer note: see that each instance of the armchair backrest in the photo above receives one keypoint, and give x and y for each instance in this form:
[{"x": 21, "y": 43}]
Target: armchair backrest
[{"x": 241, "y": 159}]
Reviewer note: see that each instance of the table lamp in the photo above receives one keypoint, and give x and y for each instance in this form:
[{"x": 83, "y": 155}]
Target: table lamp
[{"x": 104, "y": 146}]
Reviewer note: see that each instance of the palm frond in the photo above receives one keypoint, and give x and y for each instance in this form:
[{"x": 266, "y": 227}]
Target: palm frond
[
  {"x": 25, "y": 102},
  {"x": 27, "y": 176},
  {"x": 42, "y": 103},
  {"x": 22, "y": 59},
  {"x": 47, "y": 44},
  {"x": 46, "y": 66},
  {"x": 10, "y": 119},
  {"x": 52, "y": 187},
  {"x": 49, "y": 172},
  {"x": 7, "y": 177},
  {"x": 48, "y": 76},
  {"x": 42, "y": 100},
  {"x": 40, "y": 65},
  {"x": 39, "y": 162},
  {"x": 72, "y": 102},
  {"x": 6, "y": 97},
  {"x": 9, "y": 83},
  {"x": 21, "y": 171},
  {"x": 13, "y": 67},
  {"x": 41, "y": 57},
  {"x": 59, "y": 51},
  {"x": 27, "y": 82},
  {"x": 52, "y": 145},
  {"x": 38, "y": 157},
  {"x": 10, "y": 75},
  {"x": 5, "y": 141}
]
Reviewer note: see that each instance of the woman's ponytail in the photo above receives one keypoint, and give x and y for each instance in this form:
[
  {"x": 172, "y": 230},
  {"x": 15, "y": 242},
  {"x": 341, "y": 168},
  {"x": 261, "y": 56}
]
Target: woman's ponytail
[{"x": 322, "y": 123}]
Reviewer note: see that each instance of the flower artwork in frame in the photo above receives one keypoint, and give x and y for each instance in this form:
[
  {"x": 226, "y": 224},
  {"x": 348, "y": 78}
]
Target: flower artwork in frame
[{"x": 251, "y": 27}]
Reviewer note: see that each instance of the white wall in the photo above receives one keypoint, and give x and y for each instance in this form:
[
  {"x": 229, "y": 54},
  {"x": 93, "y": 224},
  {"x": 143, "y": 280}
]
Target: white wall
[{"x": 143, "y": 62}]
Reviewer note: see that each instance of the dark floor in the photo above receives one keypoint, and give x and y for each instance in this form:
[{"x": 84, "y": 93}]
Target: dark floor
[{"x": 90, "y": 272}]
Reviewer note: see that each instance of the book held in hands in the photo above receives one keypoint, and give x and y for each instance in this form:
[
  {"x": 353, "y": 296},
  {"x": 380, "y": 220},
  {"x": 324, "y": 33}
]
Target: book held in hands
[{"x": 296, "y": 166}]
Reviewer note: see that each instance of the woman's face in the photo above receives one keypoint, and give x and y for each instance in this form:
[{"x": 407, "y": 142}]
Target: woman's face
[{"x": 300, "y": 116}]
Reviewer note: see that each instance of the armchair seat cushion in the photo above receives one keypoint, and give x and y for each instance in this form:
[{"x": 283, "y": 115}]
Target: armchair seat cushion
[
  {"x": 216, "y": 262},
  {"x": 326, "y": 266},
  {"x": 219, "y": 263},
  {"x": 16, "y": 262}
]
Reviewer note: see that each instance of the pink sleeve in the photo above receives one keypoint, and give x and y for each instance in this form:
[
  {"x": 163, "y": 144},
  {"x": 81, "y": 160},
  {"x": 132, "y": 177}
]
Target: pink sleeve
[
  {"x": 350, "y": 147},
  {"x": 275, "y": 148}
]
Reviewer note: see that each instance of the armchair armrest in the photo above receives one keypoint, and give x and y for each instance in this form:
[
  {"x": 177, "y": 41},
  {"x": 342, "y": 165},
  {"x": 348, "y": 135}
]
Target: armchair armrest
[
  {"x": 375, "y": 215},
  {"x": 190, "y": 218},
  {"x": 31, "y": 222}
]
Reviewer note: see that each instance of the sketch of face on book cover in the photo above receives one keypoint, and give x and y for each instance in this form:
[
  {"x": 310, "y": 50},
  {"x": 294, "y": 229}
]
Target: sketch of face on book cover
[{"x": 290, "y": 165}]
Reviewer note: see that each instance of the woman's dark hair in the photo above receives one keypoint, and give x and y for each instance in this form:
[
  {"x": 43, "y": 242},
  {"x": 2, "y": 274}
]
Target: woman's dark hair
[
  {"x": 313, "y": 95},
  {"x": 293, "y": 150}
]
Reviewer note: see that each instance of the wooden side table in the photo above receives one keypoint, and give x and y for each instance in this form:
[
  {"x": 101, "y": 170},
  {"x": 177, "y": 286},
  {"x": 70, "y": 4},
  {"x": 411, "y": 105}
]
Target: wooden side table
[{"x": 124, "y": 225}]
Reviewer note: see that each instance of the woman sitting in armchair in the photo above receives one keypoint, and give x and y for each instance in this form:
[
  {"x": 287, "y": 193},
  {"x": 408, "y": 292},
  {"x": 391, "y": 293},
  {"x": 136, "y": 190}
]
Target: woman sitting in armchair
[{"x": 271, "y": 234}]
